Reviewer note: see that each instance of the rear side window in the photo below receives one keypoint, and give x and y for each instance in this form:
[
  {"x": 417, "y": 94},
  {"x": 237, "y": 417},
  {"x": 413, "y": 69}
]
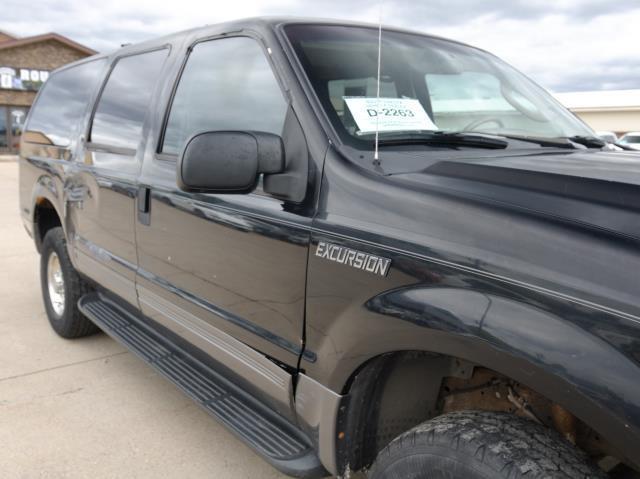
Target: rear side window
[
  {"x": 62, "y": 104},
  {"x": 123, "y": 104},
  {"x": 226, "y": 84}
]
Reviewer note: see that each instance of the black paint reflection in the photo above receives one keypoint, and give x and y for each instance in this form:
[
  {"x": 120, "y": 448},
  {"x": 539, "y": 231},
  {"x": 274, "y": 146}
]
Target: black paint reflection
[
  {"x": 123, "y": 105},
  {"x": 62, "y": 103}
]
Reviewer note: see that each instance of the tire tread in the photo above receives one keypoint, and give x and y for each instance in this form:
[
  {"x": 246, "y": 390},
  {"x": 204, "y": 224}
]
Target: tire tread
[{"x": 512, "y": 446}]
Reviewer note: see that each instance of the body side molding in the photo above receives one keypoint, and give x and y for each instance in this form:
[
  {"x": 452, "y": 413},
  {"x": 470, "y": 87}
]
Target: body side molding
[{"x": 246, "y": 362}]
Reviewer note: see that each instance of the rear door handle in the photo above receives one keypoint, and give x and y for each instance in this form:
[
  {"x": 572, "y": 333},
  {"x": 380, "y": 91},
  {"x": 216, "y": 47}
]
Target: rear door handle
[{"x": 144, "y": 205}]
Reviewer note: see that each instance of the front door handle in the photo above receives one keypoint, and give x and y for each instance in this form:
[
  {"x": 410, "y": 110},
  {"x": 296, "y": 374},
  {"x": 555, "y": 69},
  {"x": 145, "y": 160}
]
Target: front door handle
[{"x": 144, "y": 205}]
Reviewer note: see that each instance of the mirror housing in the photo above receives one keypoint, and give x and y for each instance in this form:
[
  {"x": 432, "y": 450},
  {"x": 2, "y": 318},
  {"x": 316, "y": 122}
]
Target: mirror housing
[{"x": 228, "y": 161}]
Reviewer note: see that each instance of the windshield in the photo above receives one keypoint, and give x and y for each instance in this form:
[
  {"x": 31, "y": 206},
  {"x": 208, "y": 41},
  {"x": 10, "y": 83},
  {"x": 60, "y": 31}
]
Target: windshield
[
  {"x": 631, "y": 139},
  {"x": 427, "y": 85}
]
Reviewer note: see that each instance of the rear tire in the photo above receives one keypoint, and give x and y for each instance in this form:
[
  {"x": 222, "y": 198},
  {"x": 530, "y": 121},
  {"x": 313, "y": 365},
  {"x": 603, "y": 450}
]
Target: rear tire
[
  {"x": 62, "y": 287},
  {"x": 482, "y": 445}
]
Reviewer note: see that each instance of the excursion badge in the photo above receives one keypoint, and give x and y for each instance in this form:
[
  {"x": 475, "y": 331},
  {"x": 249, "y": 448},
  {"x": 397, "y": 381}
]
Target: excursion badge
[{"x": 354, "y": 258}]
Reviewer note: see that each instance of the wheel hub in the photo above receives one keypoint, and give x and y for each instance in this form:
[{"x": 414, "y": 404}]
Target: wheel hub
[{"x": 55, "y": 283}]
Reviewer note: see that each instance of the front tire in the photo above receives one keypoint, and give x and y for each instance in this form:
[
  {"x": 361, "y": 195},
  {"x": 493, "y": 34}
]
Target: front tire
[
  {"x": 482, "y": 445},
  {"x": 62, "y": 287}
]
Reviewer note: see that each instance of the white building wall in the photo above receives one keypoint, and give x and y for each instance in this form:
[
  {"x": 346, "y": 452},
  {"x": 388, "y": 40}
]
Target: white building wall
[
  {"x": 616, "y": 110},
  {"x": 616, "y": 121}
]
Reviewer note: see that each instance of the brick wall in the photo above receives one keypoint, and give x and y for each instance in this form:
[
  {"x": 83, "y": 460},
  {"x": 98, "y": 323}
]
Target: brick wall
[
  {"x": 45, "y": 55},
  {"x": 19, "y": 98}
]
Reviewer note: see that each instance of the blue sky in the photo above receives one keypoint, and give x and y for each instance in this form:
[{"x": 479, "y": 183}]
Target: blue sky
[{"x": 565, "y": 45}]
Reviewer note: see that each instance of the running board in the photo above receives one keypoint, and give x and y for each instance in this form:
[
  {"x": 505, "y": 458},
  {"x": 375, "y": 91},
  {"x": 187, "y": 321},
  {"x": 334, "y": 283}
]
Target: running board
[{"x": 270, "y": 435}]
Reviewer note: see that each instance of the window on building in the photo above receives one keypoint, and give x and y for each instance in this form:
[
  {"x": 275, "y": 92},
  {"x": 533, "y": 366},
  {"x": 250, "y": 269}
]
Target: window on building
[
  {"x": 125, "y": 99},
  {"x": 227, "y": 84},
  {"x": 62, "y": 103}
]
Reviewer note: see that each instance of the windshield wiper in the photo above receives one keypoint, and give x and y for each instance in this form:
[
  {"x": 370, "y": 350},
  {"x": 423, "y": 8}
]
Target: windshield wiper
[
  {"x": 447, "y": 139},
  {"x": 588, "y": 141},
  {"x": 624, "y": 146},
  {"x": 490, "y": 140},
  {"x": 550, "y": 142}
]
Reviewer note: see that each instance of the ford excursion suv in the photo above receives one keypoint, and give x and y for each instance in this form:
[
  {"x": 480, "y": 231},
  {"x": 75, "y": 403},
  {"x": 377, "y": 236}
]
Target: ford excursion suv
[{"x": 430, "y": 270}]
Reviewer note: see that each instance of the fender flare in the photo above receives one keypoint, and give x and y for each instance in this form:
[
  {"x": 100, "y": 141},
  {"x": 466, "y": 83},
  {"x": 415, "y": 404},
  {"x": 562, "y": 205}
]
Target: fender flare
[{"x": 543, "y": 345}]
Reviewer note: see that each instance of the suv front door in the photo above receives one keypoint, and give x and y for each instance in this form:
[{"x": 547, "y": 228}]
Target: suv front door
[{"x": 226, "y": 272}]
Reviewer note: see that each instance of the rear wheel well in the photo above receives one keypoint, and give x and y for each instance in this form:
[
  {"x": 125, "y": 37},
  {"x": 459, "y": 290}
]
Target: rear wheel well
[
  {"x": 45, "y": 217},
  {"x": 394, "y": 392}
]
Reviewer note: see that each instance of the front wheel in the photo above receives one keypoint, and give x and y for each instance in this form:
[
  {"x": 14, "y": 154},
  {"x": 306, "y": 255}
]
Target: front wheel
[
  {"x": 482, "y": 445},
  {"x": 62, "y": 287}
]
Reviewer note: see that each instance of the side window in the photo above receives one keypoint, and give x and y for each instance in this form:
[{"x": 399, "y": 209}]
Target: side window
[
  {"x": 123, "y": 105},
  {"x": 226, "y": 84},
  {"x": 62, "y": 104}
]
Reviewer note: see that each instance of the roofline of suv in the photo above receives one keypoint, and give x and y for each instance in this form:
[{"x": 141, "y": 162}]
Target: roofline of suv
[{"x": 273, "y": 23}]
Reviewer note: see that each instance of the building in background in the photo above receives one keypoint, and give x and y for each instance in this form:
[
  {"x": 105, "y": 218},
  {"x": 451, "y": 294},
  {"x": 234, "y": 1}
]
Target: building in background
[
  {"x": 25, "y": 63},
  {"x": 615, "y": 110}
]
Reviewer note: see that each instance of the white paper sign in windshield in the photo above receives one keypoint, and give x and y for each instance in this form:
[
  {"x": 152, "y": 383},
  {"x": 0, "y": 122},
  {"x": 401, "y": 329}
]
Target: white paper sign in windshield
[{"x": 388, "y": 114}]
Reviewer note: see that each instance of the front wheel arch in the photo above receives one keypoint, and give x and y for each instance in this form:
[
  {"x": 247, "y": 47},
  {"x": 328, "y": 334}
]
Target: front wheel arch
[
  {"x": 373, "y": 411},
  {"x": 542, "y": 342}
]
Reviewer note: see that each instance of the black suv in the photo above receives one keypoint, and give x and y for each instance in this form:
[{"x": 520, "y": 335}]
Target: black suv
[{"x": 428, "y": 272}]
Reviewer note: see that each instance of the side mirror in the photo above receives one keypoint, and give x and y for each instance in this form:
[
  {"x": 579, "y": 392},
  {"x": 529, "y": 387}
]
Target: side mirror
[{"x": 228, "y": 161}]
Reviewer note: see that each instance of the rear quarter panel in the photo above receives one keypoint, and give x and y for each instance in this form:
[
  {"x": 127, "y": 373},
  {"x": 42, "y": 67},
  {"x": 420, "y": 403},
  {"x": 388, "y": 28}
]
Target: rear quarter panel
[{"x": 41, "y": 177}]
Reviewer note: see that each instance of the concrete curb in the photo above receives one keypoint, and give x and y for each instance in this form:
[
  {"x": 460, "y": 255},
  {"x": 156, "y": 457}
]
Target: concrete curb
[{"x": 8, "y": 158}]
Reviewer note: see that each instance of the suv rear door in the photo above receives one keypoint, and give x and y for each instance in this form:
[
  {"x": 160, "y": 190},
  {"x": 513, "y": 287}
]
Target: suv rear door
[
  {"x": 226, "y": 272},
  {"x": 102, "y": 191}
]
